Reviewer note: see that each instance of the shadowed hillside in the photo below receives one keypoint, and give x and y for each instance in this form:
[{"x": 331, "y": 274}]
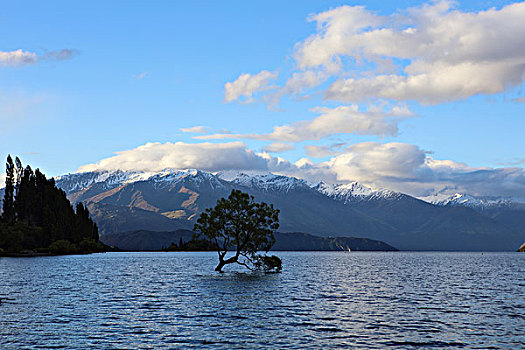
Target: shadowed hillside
[{"x": 294, "y": 241}]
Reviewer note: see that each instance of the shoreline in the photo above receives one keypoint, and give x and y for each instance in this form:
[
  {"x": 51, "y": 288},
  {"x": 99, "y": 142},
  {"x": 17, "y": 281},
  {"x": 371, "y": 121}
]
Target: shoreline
[{"x": 36, "y": 254}]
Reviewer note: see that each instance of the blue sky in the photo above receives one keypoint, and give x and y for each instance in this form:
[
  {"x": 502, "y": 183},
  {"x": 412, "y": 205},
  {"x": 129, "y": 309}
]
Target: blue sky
[{"x": 110, "y": 77}]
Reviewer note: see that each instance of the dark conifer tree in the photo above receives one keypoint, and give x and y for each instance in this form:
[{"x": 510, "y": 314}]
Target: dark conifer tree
[
  {"x": 85, "y": 227},
  {"x": 8, "y": 207},
  {"x": 24, "y": 197},
  {"x": 19, "y": 173}
]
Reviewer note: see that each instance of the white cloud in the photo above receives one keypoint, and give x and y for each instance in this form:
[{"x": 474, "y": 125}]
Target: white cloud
[
  {"x": 179, "y": 155},
  {"x": 324, "y": 150},
  {"x": 195, "y": 129},
  {"x": 332, "y": 121},
  {"x": 278, "y": 147},
  {"x": 334, "y": 38},
  {"x": 2, "y": 181},
  {"x": 434, "y": 53},
  {"x": 298, "y": 84},
  {"x": 310, "y": 171},
  {"x": 431, "y": 54},
  {"x": 318, "y": 151},
  {"x": 229, "y": 135},
  {"x": 17, "y": 58},
  {"x": 246, "y": 85},
  {"x": 304, "y": 162},
  {"x": 374, "y": 163},
  {"x": 432, "y": 83},
  {"x": 24, "y": 58},
  {"x": 303, "y": 80}
]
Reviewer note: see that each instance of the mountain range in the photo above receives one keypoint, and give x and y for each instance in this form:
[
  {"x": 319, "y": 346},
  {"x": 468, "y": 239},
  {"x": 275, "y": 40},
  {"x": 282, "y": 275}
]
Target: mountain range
[{"x": 169, "y": 200}]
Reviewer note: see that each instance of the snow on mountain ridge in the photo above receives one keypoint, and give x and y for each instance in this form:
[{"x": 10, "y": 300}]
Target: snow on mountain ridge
[
  {"x": 342, "y": 190},
  {"x": 269, "y": 181},
  {"x": 262, "y": 181},
  {"x": 462, "y": 199},
  {"x": 354, "y": 191},
  {"x": 111, "y": 179}
]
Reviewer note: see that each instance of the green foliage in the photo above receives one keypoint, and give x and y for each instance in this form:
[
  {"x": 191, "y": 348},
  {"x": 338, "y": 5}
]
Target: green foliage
[
  {"x": 270, "y": 263},
  {"x": 90, "y": 246},
  {"x": 40, "y": 214},
  {"x": 241, "y": 224},
  {"x": 63, "y": 246},
  {"x": 19, "y": 236}
]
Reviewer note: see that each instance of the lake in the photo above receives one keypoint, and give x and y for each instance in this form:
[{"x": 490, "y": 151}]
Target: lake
[{"x": 329, "y": 300}]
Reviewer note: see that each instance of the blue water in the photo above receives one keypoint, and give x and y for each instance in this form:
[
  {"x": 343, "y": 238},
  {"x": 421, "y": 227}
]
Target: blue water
[{"x": 329, "y": 300}]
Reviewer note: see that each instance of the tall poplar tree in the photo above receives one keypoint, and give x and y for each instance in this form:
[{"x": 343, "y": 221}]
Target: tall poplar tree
[
  {"x": 19, "y": 173},
  {"x": 8, "y": 207}
]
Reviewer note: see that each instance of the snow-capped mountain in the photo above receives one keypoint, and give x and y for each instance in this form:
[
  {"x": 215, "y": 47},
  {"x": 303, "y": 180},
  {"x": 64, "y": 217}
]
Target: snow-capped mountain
[
  {"x": 479, "y": 203},
  {"x": 79, "y": 181},
  {"x": 269, "y": 182},
  {"x": 354, "y": 191},
  {"x": 172, "y": 199},
  {"x": 169, "y": 177},
  {"x": 265, "y": 182},
  {"x": 111, "y": 179},
  {"x": 344, "y": 191}
]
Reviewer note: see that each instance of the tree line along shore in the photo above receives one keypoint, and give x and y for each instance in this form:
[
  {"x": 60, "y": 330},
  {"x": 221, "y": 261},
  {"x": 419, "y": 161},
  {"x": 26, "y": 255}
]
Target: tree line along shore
[{"x": 38, "y": 219}]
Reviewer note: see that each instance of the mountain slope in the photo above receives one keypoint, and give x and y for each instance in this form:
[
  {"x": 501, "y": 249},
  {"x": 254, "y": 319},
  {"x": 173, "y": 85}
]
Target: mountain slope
[{"x": 502, "y": 210}]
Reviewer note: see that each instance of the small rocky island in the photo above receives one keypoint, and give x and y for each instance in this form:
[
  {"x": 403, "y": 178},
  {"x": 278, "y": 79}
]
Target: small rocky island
[{"x": 522, "y": 248}]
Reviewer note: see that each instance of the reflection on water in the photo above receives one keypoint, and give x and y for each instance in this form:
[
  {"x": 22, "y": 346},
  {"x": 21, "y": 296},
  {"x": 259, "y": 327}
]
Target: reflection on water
[{"x": 321, "y": 300}]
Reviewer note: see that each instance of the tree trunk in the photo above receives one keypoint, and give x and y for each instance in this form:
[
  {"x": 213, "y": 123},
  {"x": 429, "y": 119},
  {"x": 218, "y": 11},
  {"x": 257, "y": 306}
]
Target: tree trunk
[
  {"x": 220, "y": 266},
  {"x": 223, "y": 262}
]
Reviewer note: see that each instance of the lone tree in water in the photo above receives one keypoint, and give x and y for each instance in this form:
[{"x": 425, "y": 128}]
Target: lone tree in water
[{"x": 244, "y": 226}]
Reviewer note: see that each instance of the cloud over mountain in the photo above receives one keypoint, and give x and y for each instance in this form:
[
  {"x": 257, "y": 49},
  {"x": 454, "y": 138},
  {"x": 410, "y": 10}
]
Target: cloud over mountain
[
  {"x": 409, "y": 169},
  {"x": 156, "y": 156},
  {"x": 397, "y": 166}
]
